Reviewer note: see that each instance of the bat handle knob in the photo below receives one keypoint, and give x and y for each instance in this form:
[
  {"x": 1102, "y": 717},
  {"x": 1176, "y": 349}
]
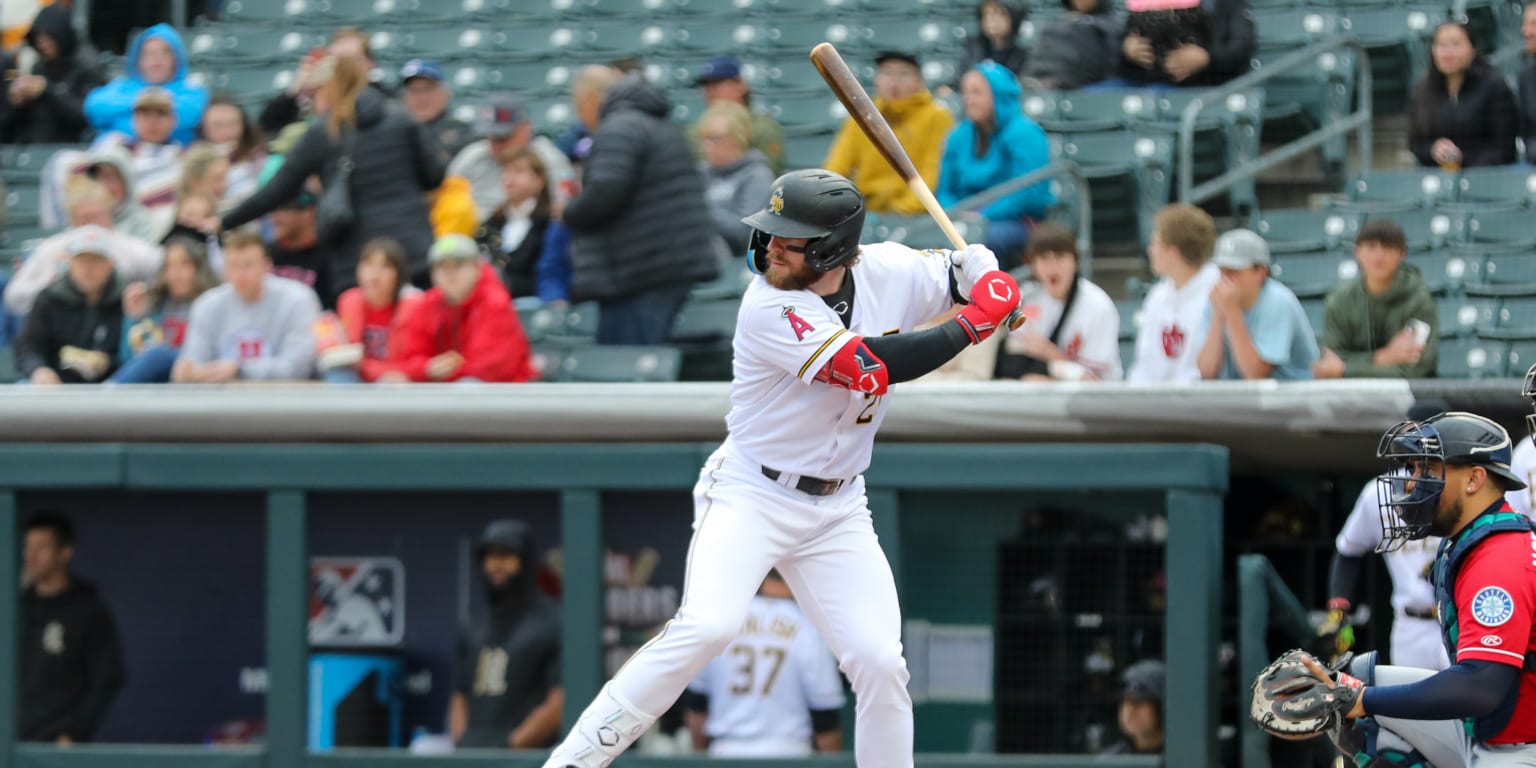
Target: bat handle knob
[{"x": 1014, "y": 320}]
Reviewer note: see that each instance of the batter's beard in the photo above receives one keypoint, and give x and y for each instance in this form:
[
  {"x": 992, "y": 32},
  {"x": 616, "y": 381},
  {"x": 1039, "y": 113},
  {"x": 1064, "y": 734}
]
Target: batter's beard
[{"x": 788, "y": 278}]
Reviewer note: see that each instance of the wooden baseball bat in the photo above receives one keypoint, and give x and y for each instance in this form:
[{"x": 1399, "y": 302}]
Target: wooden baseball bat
[{"x": 861, "y": 108}]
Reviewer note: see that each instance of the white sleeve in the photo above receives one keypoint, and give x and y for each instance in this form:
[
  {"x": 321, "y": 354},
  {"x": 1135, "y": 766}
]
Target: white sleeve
[
  {"x": 1524, "y": 466},
  {"x": 703, "y": 682},
  {"x": 1101, "y": 338},
  {"x": 1361, "y": 533},
  {"x": 783, "y": 329},
  {"x": 926, "y": 273},
  {"x": 201, "y": 344},
  {"x": 819, "y": 678}
]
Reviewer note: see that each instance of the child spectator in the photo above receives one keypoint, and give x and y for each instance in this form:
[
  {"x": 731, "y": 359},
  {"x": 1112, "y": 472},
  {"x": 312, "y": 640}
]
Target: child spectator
[
  {"x": 193, "y": 209},
  {"x": 156, "y": 58},
  {"x": 463, "y": 329},
  {"x": 1168, "y": 340},
  {"x": 1073, "y": 330},
  {"x": 204, "y": 171},
  {"x": 155, "y": 315},
  {"x": 73, "y": 332},
  {"x": 48, "y": 81},
  {"x": 514, "y": 236},
  {"x": 1255, "y": 328},
  {"x": 257, "y": 326},
  {"x": 1383, "y": 324},
  {"x": 368, "y": 312}
]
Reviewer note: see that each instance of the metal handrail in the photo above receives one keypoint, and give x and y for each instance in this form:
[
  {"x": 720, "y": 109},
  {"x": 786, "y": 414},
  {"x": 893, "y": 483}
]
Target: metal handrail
[
  {"x": 1046, "y": 172},
  {"x": 1264, "y": 601},
  {"x": 1358, "y": 121}
]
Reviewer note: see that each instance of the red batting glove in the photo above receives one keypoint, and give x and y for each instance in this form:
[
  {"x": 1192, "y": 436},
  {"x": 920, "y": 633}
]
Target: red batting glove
[{"x": 993, "y": 297}]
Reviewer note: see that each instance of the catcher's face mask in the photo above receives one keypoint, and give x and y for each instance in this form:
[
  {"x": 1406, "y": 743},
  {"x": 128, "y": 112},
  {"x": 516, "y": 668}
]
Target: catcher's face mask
[
  {"x": 1528, "y": 390},
  {"x": 1409, "y": 491}
]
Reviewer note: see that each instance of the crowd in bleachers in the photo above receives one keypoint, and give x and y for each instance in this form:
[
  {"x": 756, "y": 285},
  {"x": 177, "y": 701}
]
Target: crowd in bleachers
[{"x": 600, "y": 154}]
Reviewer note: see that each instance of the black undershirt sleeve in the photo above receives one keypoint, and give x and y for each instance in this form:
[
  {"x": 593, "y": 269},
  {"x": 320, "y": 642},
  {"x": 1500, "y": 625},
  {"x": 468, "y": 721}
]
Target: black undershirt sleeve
[
  {"x": 910, "y": 355},
  {"x": 823, "y": 720},
  {"x": 694, "y": 701},
  {"x": 1344, "y": 576}
]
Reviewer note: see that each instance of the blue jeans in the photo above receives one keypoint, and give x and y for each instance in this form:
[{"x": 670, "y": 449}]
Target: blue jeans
[
  {"x": 1007, "y": 239},
  {"x": 151, "y": 366},
  {"x": 644, "y": 318}
]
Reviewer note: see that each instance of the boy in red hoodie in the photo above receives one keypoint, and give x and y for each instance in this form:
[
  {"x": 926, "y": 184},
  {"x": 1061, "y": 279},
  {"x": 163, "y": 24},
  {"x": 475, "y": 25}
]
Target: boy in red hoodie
[{"x": 464, "y": 328}]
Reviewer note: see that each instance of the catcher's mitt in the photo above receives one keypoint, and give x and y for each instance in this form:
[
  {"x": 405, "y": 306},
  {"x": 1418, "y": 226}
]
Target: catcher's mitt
[{"x": 1297, "y": 697}]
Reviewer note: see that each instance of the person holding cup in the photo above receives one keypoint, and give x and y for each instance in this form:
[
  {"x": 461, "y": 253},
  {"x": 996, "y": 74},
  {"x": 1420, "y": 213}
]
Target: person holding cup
[
  {"x": 1384, "y": 323},
  {"x": 1462, "y": 113}
]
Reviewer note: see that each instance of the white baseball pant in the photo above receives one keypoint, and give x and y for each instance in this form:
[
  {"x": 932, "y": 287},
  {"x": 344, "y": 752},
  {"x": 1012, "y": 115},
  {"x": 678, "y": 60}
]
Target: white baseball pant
[
  {"x": 1416, "y": 643},
  {"x": 1444, "y": 743}
]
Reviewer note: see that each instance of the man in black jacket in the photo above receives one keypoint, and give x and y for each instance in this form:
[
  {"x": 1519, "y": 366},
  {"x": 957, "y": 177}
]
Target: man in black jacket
[
  {"x": 76, "y": 325},
  {"x": 71, "y": 662},
  {"x": 1528, "y": 83},
  {"x": 47, "y": 81},
  {"x": 641, "y": 231}
]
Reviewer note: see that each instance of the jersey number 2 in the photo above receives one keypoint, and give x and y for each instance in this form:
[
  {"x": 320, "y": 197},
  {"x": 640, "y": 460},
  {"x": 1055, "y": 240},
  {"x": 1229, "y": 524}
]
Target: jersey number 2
[
  {"x": 745, "y": 683},
  {"x": 871, "y": 402}
]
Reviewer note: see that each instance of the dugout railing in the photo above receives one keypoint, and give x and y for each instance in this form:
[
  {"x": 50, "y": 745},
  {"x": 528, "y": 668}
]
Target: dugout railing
[
  {"x": 1192, "y": 480},
  {"x": 1265, "y": 604}
]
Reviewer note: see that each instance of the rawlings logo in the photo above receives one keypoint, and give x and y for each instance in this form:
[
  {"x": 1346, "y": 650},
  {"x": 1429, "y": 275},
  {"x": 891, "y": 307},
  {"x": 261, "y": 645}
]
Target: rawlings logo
[{"x": 1492, "y": 641}]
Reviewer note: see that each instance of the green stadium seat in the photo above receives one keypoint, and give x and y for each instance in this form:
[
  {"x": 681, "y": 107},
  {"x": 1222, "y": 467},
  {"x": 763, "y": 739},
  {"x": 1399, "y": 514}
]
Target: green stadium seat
[
  {"x": 1127, "y": 353},
  {"x": 801, "y": 35},
  {"x": 711, "y": 35},
  {"x": 631, "y": 37},
  {"x": 546, "y": 360},
  {"x": 730, "y": 285},
  {"x": 806, "y": 150},
  {"x": 1101, "y": 110},
  {"x": 1470, "y": 359},
  {"x": 1128, "y": 179},
  {"x": 1462, "y": 317},
  {"x": 1130, "y": 317},
  {"x": 1515, "y": 318},
  {"x": 1311, "y": 275},
  {"x": 1302, "y": 230},
  {"x": 810, "y": 111},
  {"x": 1226, "y": 136},
  {"x": 1394, "y": 39},
  {"x": 1518, "y": 357},
  {"x": 579, "y": 321},
  {"x": 1446, "y": 271},
  {"x": 1314, "y": 308},
  {"x": 1291, "y": 28},
  {"x": 1042, "y": 106},
  {"x": 620, "y": 364},
  {"x": 29, "y": 159},
  {"x": 1305, "y": 98},
  {"x": 1488, "y": 189},
  {"x": 1413, "y": 187},
  {"x": 272, "y": 45},
  {"x": 703, "y": 335},
  {"x": 8, "y": 372},
  {"x": 915, "y": 34},
  {"x": 452, "y": 43},
  {"x": 269, "y": 12},
  {"x": 1504, "y": 230},
  {"x": 1511, "y": 270}
]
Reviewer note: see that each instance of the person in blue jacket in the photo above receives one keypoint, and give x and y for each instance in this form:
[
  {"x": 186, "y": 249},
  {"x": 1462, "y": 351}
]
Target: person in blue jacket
[
  {"x": 996, "y": 142},
  {"x": 157, "y": 57}
]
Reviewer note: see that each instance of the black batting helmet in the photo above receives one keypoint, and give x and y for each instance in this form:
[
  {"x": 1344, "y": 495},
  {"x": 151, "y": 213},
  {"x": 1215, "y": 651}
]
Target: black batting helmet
[{"x": 815, "y": 204}]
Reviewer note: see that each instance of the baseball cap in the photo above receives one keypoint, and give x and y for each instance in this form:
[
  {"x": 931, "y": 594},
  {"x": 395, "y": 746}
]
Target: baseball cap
[
  {"x": 153, "y": 97},
  {"x": 90, "y": 239},
  {"x": 884, "y": 56},
  {"x": 510, "y": 535},
  {"x": 454, "y": 247},
  {"x": 503, "y": 115},
  {"x": 1145, "y": 680},
  {"x": 422, "y": 68},
  {"x": 719, "y": 68},
  {"x": 1241, "y": 249}
]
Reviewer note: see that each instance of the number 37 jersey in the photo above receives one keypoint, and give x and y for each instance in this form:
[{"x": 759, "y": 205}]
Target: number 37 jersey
[{"x": 781, "y": 416}]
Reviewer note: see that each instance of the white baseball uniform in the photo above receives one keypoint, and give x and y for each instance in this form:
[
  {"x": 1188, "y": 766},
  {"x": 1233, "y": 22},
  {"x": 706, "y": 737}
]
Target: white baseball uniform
[
  {"x": 1090, "y": 333},
  {"x": 1168, "y": 338},
  {"x": 763, "y": 688},
  {"x": 1523, "y": 463},
  {"x": 1415, "y": 631},
  {"x": 789, "y": 431}
]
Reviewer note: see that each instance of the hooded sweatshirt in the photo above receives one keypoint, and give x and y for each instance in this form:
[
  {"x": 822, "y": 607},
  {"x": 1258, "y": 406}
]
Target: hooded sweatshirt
[
  {"x": 61, "y": 318},
  {"x": 272, "y": 339},
  {"x": 134, "y": 260},
  {"x": 110, "y": 107},
  {"x": 978, "y": 48},
  {"x": 1075, "y": 49},
  {"x": 640, "y": 222},
  {"x": 57, "y": 116},
  {"x": 71, "y": 663},
  {"x": 734, "y": 192},
  {"x": 921, "y": 124},
  {"x": 1016, "y": 146},
  {"x": 150, "y": 173},
  {"x": 508, "y": 657},
  {"x": 1356, "y": 324},
  {"x": 483, "y": 329}
]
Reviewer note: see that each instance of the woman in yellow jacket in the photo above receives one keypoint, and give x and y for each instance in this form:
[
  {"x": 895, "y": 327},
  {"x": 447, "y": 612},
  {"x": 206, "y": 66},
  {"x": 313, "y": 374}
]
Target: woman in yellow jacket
[{"x": 919, "y": 122}]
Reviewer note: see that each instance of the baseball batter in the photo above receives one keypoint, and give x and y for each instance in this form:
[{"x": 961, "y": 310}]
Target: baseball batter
[
  {"x": 1448, "y": 477},
  {"x": 1524, "y": 462},
  {"x": 775, "y": 692},
  {"x": 821, "y": 336}
]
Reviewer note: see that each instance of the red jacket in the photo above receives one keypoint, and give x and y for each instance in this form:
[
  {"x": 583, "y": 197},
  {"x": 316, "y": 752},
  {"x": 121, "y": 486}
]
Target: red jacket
[
  {"x": 483, "y": 329},
  {"x": 369, "y": 326}
]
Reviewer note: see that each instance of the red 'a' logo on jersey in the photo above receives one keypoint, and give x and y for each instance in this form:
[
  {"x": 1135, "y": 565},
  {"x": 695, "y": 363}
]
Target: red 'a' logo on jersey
[
  {"x": 1173, "y": 341},
  {"x": 799, "y": 326}
]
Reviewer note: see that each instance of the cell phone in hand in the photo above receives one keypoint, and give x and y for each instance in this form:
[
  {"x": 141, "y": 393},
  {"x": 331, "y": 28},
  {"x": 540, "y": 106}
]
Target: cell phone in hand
[{"x": 1420, "y": 331}]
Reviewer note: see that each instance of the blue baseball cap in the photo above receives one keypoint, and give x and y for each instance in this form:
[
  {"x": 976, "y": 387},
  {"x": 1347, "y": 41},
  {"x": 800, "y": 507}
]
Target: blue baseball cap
[
  {"x": 422, "y": 68},
  {"x": 719, "y": 68}
]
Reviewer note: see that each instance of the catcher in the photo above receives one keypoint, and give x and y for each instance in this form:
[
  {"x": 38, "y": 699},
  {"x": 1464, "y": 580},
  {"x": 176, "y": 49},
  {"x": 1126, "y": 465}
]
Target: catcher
[{"x": 1447, "y": 476}]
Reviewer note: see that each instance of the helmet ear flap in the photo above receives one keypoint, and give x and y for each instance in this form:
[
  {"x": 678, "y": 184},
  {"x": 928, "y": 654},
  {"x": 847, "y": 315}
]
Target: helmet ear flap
[{"x": 757, "y": 252}]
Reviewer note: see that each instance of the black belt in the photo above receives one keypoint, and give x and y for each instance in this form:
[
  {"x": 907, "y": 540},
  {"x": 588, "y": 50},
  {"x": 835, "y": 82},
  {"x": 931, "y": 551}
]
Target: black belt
[
  {"x": 1414, "y": 613},
  {"x": 814, "y": 486}
]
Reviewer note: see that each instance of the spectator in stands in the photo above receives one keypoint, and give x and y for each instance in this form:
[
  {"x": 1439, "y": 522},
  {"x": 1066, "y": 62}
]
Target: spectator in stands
[
  {"x": 192, "y": 209},
  {"x": 157, "y": 58},
  {"x": 368, "y": 313},
  {"x": 73, "y": 332},
  {"x": 48, "y": 80},
  {"x": 292, "y": 105},
  {"x": 1255, "y": 328},
  {"x": 513, "y": 237},
  {"x": 1527, "y": 83},
  {"x": 1186, "y": 42},
  {"x": 994, "y": 144},
  {"x": 293, "y": 243},
  {"x": 640, "y": 173},
  {"x": 426, "y": 97},
  {"x": 227, "y": 127},
  {"x": 736, "y": 176},
  {"x": 507, "y": 691},
  {"x": 155, "y": 315},
  {"x": 204, "y": 171},
  {"x": 1462, "y": 114},
  {"x": 464, "y": 328},
  {"x": 1168, "y": 339},
  {"x": 918, "y": 121},
  {"x": 507, "y": 127},
  {"x": 1073, "y": 331},
  {"x": 1141, "y": 710},
  {"x": 1384, "y": 324},
  {"x": 255, "y": 327},
  {"x": 71, "y": 660},
  {"x": 394, "y": 162},
  {"x": 996, "y": 37},
  {"x": 89, "y": 205},
  {"x": 1075, "y": 49},
  {"x": 116, "y": 171},
  {"x": 721, "y": 79}
]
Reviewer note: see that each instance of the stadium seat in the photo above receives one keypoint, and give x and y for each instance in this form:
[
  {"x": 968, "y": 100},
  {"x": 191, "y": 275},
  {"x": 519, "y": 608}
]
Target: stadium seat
[
  {"x": 1314, "y": 308},
  {"x": 801, "y": 35},
  {"x": 1127, "y": 353},
  {"x": 549, "y": 43},
  {"x": 620, "y": 364},
  {"x": 1311, "y": 275},
  {"x": 1515, "y": 318},
  {"x": 810, "y": 111},
  {"x": 1462, "y": 317},
  {"x": 914, "y": 34},
  {"x": 1302, "y": 230},
  {"x": 546, "y": 360},
  {"x": 1518, "y": 357},
  {"x": 709, "y": 36},
  {"x": 1515, "y": 272},
  {"x": 274, "y": 45},
  {"x": 8, "y": 372},
  {"x": 1305, "y": 98},
  {"x": 28, "y": 160},
  {"x": 1488, "y": 189},
  {"x": 730, "y": 285},
  {"x": 269, "y": 12},
  {"x": 1128, "y": 179},
  {"x": 1291, "y": 28},
  {"x": 1226, "y": 136},
  {"x": 1394, "y": 39},
  {"x": 452, "y": 43},
  {"x": 631, "y": 37},
  {"x": 1446, "y": 271},
  {"x": 1502, "y": 230},
  {"x": 806, "y": 150},
  {"x": 702, "y": 334},
  {"x": 1409, "y": 188},
  {"x": 1130, "y": 317},
  {"x": 1470, "y": 359},
  {"x": 1101, "y": 110}
]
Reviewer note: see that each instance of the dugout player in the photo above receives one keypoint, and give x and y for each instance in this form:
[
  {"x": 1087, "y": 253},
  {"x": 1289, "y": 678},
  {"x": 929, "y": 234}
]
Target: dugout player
[
  {"x": 1447, "y": 477},
  {"x": 775, "y": 692},
  {"x": 822, "y": 334}
]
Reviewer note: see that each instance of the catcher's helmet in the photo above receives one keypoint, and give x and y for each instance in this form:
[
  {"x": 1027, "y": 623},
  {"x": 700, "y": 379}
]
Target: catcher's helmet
[
  {"x": 1529, "y": 391},
  {"x": 1410, "y": 490},
  {"x": 815, "y": 204}
]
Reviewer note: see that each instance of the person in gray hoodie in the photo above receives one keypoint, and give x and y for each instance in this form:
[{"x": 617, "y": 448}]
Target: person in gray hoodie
[
  {"x": 1076, "y": 49},
  {"x": 1383, "y": 325},
  {"x": 736, "y": 177}
]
